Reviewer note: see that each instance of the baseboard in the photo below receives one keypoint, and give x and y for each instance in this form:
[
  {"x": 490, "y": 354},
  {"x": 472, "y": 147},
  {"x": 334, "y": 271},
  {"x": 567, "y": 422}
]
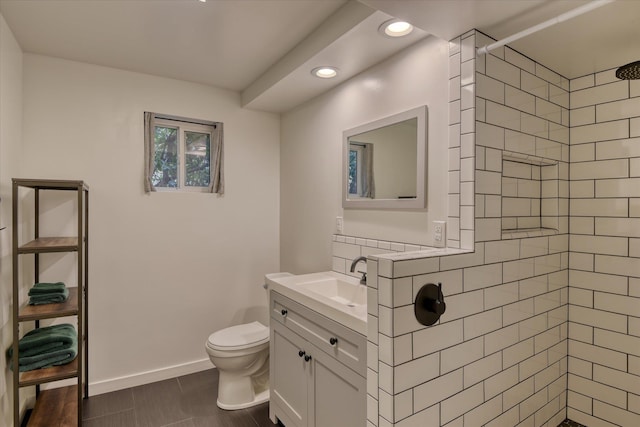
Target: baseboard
[{"x": 115, "y": 384}]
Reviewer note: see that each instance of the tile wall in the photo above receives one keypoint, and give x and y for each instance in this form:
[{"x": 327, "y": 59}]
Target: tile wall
[
  {"x": 604, "y": 277},
  {"x": 498, "y": 356}
]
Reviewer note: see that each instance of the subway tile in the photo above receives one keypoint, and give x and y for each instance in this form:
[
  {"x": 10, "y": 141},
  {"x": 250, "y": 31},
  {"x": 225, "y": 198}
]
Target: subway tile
[
  {"x": 487, "y": 229},
  {"x": 587, "y": 419},
  {"x": 490, "y": 89},
  {"x": 580, "y": 367},
  {"x": 634, "y": 167},
  {"x": 615, "y": 414},
  {"x": 598, "y": 282},
  {"x": 559, "y": 95},
  {"x": 534, "y": 85},
  {"x": 461, "y": 403},
  {"x": 599, "y": 244},
  {"x": 532, "y": 404},
  {"x": 467, "y": 96},
  {"x": 634, "y": 127},
  {"x": 480, "y": 415},
  {"x": 532, "y": 286},
  {"x": 551, "y": 76},
  {"x": 583, "y": 152},
  {"x": 581, "y": 332},
  {"x": 600, "y": 132},
  {"x": 517, "y": 353},
  {"x": 599, "y": 94},
  {"x": 501, "y": 295},
  {"x": 519, "y": 142},
  {"x": 582, "y": 297},
  {"x": 462, "y": 354},
  {"x": 599, "y": 391},
  {"x": 517, "y": 312},
  {"x": 451, "y": 281},
  {"x": 623, "y": 148},
  {"x": 617, "y": 188},
  {"x": 437, "y": 390},
  {"x": 600, "y": 169},
  {"x": 482, "y": 369},
  {"x": 582, "y": 82},
  {"x": 519, "y": 100},
  {"x": 501, "y": 382},
  {"x": 617, "y": 379},
  {"x": 518, "y": 393},
  {"x": 422, "y": 418},
  {"x": 534, "y": 125},
  {"x": 606, "y": 76},
  {"x": 547, "y": 376},
  {"x": 404, "y": 320},
  {"x": 583, "y": 116},
  {"x": 617, "y": 341},
  {"x": 547, "y": 340},
  {"x": 467, "y": 48},
  {"x": 600, "y": 355},
  {"x": 482, "y": 276},
  {"x": 532, "y": 326},
  {"x": 415, "y": 266},
  {"x": 463, "y": 260},
  {"x": 502, "y": 116},
  {"x": 623, "y": 227},
  {"x": 582, "y": 189},
  {"x": 548, "y": 110},
  {"x": 436, "y": 338},
  {"x": 597, "y": 318},
  {"x": 547, "y": 302},
  {"x": 617, "y": 303},
  {"x": 482, "y": 323},
  {"x": 517, "y": 270},
  {"x": 618, "y": 110},
  {"x": 416, "y": 372},
  {"x": 617, "y": 265},
  {"x": 519, "y": 60},
  {"x": 501, "y": 339},
  {"x": 488, "y": 135},
  {"x": 502, "y": 71}
]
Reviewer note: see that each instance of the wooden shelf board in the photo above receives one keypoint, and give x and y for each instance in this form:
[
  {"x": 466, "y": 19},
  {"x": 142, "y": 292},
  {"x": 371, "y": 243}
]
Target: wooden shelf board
[
  {"x": 51, "y": 184},
  {"x": 48, "y": 311},
  {"x": 50, "y": 244},
  {"x": 45, "y": 375},
  {"x": 56, "y": 407}
]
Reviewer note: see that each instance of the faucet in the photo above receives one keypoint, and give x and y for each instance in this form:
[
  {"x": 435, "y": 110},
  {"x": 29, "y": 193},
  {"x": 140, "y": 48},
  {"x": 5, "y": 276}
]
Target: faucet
[{"x": 363, "y": 280}]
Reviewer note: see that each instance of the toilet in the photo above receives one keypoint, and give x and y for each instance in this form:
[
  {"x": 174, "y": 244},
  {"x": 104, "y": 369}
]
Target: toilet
[{"x": 241, "y": 354}]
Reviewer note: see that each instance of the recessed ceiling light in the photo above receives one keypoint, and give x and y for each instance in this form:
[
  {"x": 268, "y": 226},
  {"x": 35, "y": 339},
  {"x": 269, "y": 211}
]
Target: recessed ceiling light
[
  {"x": 325, "y": 72},
  {"x": 396, "y": 28}
]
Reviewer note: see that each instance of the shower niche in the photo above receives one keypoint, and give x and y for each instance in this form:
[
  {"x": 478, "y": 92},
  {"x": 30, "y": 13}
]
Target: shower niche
[{"x": 530, "y": 195}]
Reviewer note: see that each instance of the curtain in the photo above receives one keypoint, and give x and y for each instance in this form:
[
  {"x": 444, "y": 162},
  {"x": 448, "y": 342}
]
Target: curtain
[
  {"x": 217, "y": 160},
  {"x": 149, "y": 150},
  {"x": 368, "y": 183}
]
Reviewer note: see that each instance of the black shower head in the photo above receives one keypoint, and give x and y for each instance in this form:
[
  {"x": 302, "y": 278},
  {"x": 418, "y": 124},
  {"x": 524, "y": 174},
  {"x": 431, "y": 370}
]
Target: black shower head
[{"x": 630, "y": 71}]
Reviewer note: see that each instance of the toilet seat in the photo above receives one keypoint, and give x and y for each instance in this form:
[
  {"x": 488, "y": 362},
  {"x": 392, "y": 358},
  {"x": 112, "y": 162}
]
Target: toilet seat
[{"x": 239, "y": 337}]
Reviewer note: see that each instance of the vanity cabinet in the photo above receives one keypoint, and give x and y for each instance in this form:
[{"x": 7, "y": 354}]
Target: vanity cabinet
[{"x": 318, "y": 369}]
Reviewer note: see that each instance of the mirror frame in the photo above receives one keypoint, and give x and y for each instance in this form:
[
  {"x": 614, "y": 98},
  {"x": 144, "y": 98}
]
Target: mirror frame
[{"x": 420, "y": 202}]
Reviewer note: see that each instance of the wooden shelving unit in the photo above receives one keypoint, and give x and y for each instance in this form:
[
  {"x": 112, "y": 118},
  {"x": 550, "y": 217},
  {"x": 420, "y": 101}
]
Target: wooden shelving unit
[{"x": 62, "y": 406}]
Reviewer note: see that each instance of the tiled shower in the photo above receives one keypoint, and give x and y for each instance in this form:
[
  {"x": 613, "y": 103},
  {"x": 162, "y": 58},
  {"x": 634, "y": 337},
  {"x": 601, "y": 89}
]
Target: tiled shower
[{"x": 543, "y": 316}]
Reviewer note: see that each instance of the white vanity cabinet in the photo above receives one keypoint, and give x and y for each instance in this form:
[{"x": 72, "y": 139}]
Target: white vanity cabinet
[{"x": 318, "y": 368}]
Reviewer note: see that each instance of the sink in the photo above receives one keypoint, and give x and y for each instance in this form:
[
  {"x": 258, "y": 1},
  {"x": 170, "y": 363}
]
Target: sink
[
  {"x": 337, "y": 296},
  {"x": 342, "y": 292}
]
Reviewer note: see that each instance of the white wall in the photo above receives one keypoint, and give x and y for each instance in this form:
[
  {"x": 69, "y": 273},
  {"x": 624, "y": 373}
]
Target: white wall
[
  {"x": 311, "y": 157},
  {"x": 165, "y": 270},
  {"x": 10, "y": 139}
]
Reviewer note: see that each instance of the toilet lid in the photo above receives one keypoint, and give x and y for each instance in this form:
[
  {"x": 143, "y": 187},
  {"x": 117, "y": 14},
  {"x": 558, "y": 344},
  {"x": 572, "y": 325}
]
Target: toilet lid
[{"x": 239, "y": 336}]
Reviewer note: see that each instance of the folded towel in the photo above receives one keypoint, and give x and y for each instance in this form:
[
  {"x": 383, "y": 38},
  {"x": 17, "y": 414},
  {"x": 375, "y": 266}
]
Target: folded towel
[
  {"x": 47, "y": 288},
  {"x": 46, "y": 339},
  {"x": 39, "y": 299},
  {"x": 46, "y": 360}
]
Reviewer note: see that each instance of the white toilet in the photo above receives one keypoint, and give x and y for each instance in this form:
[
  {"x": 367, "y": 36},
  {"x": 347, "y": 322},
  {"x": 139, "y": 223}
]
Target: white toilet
[{"x": 241, "y": 354}]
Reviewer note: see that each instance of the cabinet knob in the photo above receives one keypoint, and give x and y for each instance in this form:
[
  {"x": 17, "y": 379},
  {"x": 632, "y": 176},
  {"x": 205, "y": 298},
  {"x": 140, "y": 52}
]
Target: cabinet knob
[
  {"x": 301, "y": 353},
  {"x": 333, "y": 340},
  {"x": 307, "y": 358},
  {"x": 283, "y": 312}
]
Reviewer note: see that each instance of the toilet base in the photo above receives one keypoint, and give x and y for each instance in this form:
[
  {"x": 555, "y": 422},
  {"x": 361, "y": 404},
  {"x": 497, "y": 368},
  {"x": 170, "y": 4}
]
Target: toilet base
[{"x": 261, "y": 397}]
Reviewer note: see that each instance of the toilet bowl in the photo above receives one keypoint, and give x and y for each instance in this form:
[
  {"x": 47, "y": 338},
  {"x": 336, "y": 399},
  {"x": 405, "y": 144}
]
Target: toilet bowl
[{"x": 241, "y": 354}]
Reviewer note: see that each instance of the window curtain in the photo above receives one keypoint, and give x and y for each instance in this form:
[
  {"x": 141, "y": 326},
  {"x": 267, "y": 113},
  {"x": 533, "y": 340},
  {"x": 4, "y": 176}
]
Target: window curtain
[
  {"x": 368, "y": 183},
  {"x": 217, "y": 160},
  {"x": 149, "y": 150}
]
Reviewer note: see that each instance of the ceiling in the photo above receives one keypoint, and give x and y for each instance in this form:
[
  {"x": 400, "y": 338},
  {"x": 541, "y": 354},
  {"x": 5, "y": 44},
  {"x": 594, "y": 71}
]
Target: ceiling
[{"x": 265, "y": 49}]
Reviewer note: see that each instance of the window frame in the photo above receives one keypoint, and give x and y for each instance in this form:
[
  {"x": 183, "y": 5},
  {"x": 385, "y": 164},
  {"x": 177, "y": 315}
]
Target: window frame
[{"x": 183, "y": 126}]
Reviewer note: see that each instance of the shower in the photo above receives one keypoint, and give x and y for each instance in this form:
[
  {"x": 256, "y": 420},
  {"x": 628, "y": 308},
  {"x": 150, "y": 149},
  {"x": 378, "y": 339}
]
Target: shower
[{"x": 630, "y": 71}]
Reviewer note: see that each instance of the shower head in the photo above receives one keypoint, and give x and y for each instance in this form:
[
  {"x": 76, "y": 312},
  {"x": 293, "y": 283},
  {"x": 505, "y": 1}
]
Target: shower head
[{"x": 630, "y": 71}]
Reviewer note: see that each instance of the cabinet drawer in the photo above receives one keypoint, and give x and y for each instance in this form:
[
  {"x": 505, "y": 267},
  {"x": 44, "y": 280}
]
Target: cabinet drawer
[{"x": 350, "y": 347}]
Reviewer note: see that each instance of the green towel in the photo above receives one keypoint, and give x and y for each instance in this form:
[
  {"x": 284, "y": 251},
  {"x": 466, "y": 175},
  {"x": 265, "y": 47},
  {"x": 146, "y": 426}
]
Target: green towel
[
  {"x": 39, "y": 299},
  {"x": 46, "y": 360},
  {"x": 47, "y": 288},
  {"x": 48, "y": 338}
]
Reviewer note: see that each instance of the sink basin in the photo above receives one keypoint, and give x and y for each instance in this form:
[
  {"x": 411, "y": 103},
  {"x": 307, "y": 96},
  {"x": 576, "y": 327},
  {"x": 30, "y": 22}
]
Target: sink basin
[
  {"x": 342, "y": 292},
  {"x": 339, "y": 297}
]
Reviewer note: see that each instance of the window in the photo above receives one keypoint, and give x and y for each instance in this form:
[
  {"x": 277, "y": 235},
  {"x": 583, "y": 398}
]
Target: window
[{"x": 182, "y": 154}]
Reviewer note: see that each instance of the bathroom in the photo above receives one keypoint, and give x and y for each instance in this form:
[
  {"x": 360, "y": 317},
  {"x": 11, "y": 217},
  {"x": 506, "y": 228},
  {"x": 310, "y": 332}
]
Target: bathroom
[{"x": 152, "y": 305}]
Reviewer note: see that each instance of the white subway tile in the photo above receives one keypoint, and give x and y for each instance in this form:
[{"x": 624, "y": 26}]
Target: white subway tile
[
  {"x": 598, "y": 282},
  {"x": 550, "y": 76},
  {"x": 404, "y": 320},
  {"x": 534, "y": 85},
  {"x": 533, "y": 286},
  {"x": 489, "y": 88},
  {"x": 584, "y": 188},
  {"x": 498, "y": 296},
  {"x": 596, "y": 354},
  {"x": 617, "y": 188},
  {"x": 559, "y": 95},
  {"x": 519, "y": 100},
  {"x": 416, "y": 372},
  {"x": 502, "y": 116},
  {"x": 634, "y": 126},
  {"x": 607, "y": 76},
  {"x": 462, "y": 354},
  {"x": 583, "y": 116},
  {"x": 461, "y": 403},
  {"x": 488, "y": 135},
  {"x": 517, "y": 270},
  {"x": 422, "y": 418},
  {"x": 582, "y": 82},
  {"x": 467, "y": 96},
  {"x": 415, "y": 266},
  {"x": 582, "y": 297},
  {"x": 615, "y": 415},
  {"x": 436, "y": 338},
  {"x": 454, "y": 87},
  {"x": 482, "y": 323},
  {"x": 617, "y": 341},
  {"x": 617, "y": 379},
  {"x": 482, "y": 276},
  {"x": 547, "y": 376},
  {"x": 618, "y": 110},
  {"x": 548, "y": 110},
  {"x": 532, "y": 326},
  {"x": 600, "y": 169},
  {"x": 488, "y": 229},
  {"x": 517, "y": 312},
  {"x": 519, "y": 142},
  {"x": 503, "y": 250},
  {"x": 501, "y": 382},
  {"x": 600, "y": 132},
  {"x": 437, "y": 390},
  {"x": 617, "y": 265},
  {"x": 623, "y": 148},
  {"x": 583, "y": 152},
  {"x": 598, "y": 391},
  {"x": 467, "y": 48},
  {"x": 597, "y": 318},
  {"x": 534, "y": 125},
  {"x": 517, "y": 353},
  {"x": 479, "y": 416},
  {"x": 580, "y": 367},
  {"x": 503, "y": 71},
  {"x": 599, "y": 94},
  {"x": 482, "y": 369},
  {"x": 623, "y": 227},
  {"x": 599, "y": 244}
]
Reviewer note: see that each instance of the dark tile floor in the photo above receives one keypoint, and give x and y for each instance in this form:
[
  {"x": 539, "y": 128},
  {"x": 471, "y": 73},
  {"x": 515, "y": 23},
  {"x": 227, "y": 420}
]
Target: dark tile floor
[
  {"x": 569, "y": 423},
  {"x": 187, "y": 401}
]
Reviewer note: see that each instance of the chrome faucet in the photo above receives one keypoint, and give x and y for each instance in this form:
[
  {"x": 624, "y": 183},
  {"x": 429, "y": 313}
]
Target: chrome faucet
[{"x": 363, "y": 279}]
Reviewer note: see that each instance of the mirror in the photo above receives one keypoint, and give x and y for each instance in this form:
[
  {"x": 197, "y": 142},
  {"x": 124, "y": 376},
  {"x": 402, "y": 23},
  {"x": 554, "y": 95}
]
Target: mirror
[{"x": 384, "y": 163}]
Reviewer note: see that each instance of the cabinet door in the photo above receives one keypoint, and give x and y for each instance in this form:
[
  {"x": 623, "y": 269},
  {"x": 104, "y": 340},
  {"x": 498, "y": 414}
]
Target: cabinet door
[
  {"x": 337, "y": 394},
  {"x": 289, "y": 377}
]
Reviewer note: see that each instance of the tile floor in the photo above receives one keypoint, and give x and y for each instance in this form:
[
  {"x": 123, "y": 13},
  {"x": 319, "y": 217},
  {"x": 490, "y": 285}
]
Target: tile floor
[{"x": 187, "y": 401}]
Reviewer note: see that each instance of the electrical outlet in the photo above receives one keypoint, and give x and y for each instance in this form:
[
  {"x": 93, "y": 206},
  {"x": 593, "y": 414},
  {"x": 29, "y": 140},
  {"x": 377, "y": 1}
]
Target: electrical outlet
[
  {"x": 339, "y": 225},
  {"x": 439, "y": 234}
]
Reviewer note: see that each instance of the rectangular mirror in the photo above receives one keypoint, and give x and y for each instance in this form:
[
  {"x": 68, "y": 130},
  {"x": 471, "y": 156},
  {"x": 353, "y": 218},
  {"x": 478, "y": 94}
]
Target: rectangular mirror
[{"x": 384, "y": 163}]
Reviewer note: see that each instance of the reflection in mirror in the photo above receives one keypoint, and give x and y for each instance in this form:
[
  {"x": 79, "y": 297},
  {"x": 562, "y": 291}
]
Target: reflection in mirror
[{"x": 384, "y": 163}]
